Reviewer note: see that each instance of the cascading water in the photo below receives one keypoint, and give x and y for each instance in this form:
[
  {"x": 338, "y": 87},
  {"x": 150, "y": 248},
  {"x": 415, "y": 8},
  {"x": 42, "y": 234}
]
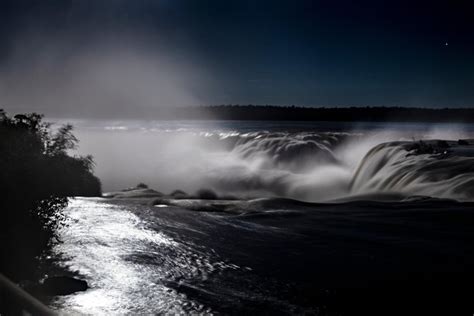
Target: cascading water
[
  {"x": 312, "y": 167},
  {"x": 306, "y": 165},
  {"x": 393, "y": 167}
]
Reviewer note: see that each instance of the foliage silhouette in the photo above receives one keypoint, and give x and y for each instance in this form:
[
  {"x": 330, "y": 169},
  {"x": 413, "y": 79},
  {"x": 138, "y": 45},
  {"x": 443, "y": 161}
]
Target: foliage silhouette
[{"x": 37, "y": 175}]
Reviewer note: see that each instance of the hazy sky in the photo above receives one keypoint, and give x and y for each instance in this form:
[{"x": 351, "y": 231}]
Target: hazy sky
[{"x": 94, "y": 57}]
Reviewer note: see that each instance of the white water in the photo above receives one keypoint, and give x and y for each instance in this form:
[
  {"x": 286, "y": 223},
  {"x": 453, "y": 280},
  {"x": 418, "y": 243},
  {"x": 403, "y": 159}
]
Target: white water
[
  {"x": 127, "y": 264},
  {"x": 389, "y": 167},
  {"x": 254, "y": 162}
]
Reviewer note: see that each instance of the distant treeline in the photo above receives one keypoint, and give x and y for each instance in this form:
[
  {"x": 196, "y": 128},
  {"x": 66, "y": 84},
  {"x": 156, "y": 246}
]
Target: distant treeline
[{"x": 340, "y": 114}]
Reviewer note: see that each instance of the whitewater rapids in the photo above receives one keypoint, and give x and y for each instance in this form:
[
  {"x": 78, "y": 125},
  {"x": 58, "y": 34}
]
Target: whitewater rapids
[
  {"x": 397, "y": 167},
  {"x": 317, "y": 167},
  {"x": 248, "y": 160}
]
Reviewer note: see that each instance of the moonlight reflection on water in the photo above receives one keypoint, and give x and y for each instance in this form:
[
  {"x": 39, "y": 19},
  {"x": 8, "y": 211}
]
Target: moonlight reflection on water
[
  {"x": 271, "y": 256},
  {"x": 126, "y": 264}
]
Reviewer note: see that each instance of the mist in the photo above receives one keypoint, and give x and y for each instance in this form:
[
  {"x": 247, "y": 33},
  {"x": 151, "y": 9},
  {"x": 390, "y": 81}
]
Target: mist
[
  {"x": 190, "y": 156},
  {"x": 74, "y": 76}
]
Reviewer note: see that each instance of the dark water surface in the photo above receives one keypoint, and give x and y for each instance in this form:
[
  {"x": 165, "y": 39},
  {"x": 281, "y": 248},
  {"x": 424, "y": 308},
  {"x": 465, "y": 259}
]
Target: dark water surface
[{"x": 286, "y": 257}]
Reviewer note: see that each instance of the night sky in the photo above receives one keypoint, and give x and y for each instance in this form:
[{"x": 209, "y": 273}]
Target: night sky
[{"x": 71, "y": 56}]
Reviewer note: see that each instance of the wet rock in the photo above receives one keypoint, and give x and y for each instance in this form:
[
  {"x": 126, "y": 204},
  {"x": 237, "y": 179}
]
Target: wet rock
[
  {"x": 442, "y": 144},
  {"x": 133, "y": 194},
  {"x": 439, "y": 147},
  {"x": 419, "y": 148},
  {"x": 63, "y": 285},
  {"x": 178, "y": 194},
  {"x": 206, "y": 194}
]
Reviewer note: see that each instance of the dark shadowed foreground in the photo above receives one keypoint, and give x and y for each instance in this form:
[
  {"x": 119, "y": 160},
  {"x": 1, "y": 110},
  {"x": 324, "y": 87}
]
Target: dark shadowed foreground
[
  {"x": 273, "y": 256},
  {"x": 37, "y": 175}
]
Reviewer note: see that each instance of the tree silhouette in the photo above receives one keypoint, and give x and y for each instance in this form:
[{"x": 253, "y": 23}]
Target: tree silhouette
[{"x": 37, "y": 175}]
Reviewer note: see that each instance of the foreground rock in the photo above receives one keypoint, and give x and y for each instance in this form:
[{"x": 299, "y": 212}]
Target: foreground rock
[
  {"x": 133, "y": 193},
  {"x": 63, "y": 285},
  {"x": 146, "y": 193}
]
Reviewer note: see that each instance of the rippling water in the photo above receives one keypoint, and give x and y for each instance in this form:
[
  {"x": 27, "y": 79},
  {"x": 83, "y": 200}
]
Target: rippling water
[
  {"x": 126, "y": 263},
  {"x": 283, "y": 258}
]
